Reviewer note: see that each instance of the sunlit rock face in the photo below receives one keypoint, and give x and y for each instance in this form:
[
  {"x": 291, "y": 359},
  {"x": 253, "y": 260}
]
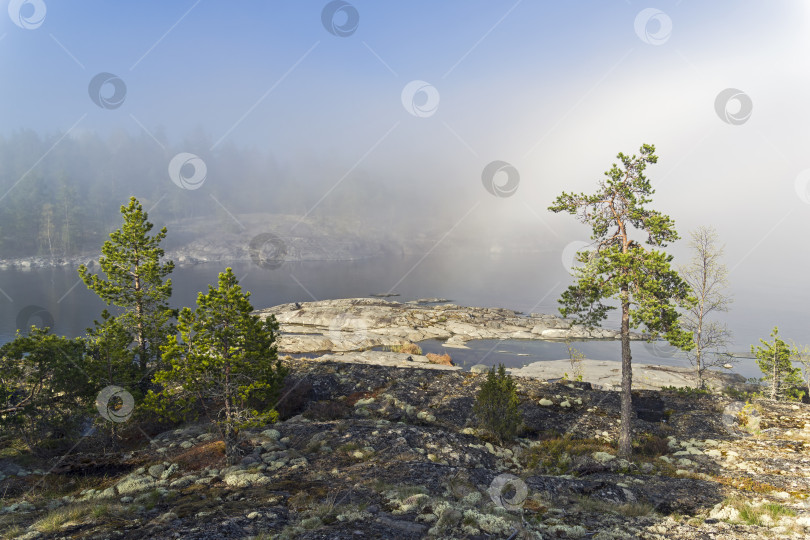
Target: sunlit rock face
[{"x": 357, "y": 324}]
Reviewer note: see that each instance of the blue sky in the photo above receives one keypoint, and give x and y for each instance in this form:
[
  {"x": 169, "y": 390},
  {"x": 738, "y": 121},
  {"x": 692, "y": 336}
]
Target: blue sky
[
  {"x": 188, "y": 64},
  {"x": 554, "y": 88}
]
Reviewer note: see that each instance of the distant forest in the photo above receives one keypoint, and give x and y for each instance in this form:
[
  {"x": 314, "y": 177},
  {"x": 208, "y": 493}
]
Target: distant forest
[{"x": 61, "y": 195}]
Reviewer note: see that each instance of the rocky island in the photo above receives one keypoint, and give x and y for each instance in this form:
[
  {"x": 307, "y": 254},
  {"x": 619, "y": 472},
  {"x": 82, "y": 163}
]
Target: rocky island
[
  {"x": 361, "y": 323},
  {"x": 380, "y": 444},
  {"x": 348, "y": 328}
]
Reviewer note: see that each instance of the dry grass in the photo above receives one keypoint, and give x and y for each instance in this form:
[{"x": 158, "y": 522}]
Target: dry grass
[
  {"x": 756, "y": 514},
  {"x": 443, "y": 359},
  {"x": 211, "y": 454},
  {"x": 554, "y": 455},
  {"x": 409, "y": 348},
  {"x": 54, "y": 520},
  {"x": 13, "y": 531},
  {"x": 746, "y": 484}
]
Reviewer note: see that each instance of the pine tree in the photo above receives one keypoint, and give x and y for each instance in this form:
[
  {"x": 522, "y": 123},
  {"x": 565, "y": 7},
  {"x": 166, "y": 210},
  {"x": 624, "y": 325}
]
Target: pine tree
[
  {"x": 44, "y": 388},
  {"x": 110, "y": 362},
  {"x": 225, "y": 363},
  {"x": 496, "y": 405},
  {"x": 132, "y": 262},
  {"x": 622, "y": 269},
  {"x": 775, "y": 362}
]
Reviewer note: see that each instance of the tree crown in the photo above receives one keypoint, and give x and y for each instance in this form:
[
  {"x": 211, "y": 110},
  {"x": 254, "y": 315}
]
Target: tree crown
[{"x": 619, "y": 266}]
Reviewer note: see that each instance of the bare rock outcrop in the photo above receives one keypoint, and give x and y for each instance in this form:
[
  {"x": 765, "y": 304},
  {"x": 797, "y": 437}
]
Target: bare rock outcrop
[{"x": 355, "y": 324}]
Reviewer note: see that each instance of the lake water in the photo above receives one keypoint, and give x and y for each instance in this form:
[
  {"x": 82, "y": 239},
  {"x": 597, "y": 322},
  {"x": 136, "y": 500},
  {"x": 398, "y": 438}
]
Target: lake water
[{"x": 526, "y": 282}]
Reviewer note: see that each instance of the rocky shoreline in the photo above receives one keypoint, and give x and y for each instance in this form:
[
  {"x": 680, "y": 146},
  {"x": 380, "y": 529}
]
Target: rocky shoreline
[
  {"x": 383, "y": 444},
  {"x": 607, "y": 375},
  {"x": 356, "y": 324},
  {"x": 344, "y": 330},
  {"x": 365, "y": 451}
]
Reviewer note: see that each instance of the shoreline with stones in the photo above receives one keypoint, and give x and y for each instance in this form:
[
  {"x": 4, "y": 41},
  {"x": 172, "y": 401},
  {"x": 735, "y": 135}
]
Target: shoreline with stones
[
  {"x": 357, "y": 324},
  {"x": 345, "y": 330}
]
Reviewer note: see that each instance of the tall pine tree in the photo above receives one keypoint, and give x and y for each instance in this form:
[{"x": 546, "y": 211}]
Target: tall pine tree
[
  {"x": 622, "y": 269},
  {"x": 132, "y": 263}
]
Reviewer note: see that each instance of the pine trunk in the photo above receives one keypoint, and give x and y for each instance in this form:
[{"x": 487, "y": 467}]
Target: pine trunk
[
  {"x": 232, "y": 455},
  {"x": 231, "y": 434},
  {"x": 141, "y": 339},
  {"x": 625, "y": 437}
]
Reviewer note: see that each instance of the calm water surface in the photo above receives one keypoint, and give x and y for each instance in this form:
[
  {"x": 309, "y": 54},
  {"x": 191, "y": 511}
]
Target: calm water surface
[{"x": 528, "y": 282}]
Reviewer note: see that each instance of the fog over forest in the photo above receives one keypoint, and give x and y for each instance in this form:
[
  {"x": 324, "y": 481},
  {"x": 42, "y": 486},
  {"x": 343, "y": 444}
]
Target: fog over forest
[{"x": 380, "y": 121}]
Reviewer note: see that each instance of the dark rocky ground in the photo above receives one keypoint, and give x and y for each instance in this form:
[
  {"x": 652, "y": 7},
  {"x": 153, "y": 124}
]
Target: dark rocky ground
[{"x": 384, "y": 452}]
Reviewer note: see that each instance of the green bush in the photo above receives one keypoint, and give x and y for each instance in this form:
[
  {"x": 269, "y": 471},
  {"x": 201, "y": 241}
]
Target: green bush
[{"x": 496, "y": 405}]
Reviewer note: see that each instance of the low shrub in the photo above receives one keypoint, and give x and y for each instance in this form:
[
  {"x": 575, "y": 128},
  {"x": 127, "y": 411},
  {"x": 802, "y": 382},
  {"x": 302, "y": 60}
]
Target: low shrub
[
  {"x": 649, "y": 444},
  {"x": 686, "y": 390},
  {"x": 496, "y": 405}
]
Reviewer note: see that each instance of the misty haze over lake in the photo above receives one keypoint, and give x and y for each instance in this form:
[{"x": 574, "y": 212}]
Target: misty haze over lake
[{"x": 427, "y": 138}]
